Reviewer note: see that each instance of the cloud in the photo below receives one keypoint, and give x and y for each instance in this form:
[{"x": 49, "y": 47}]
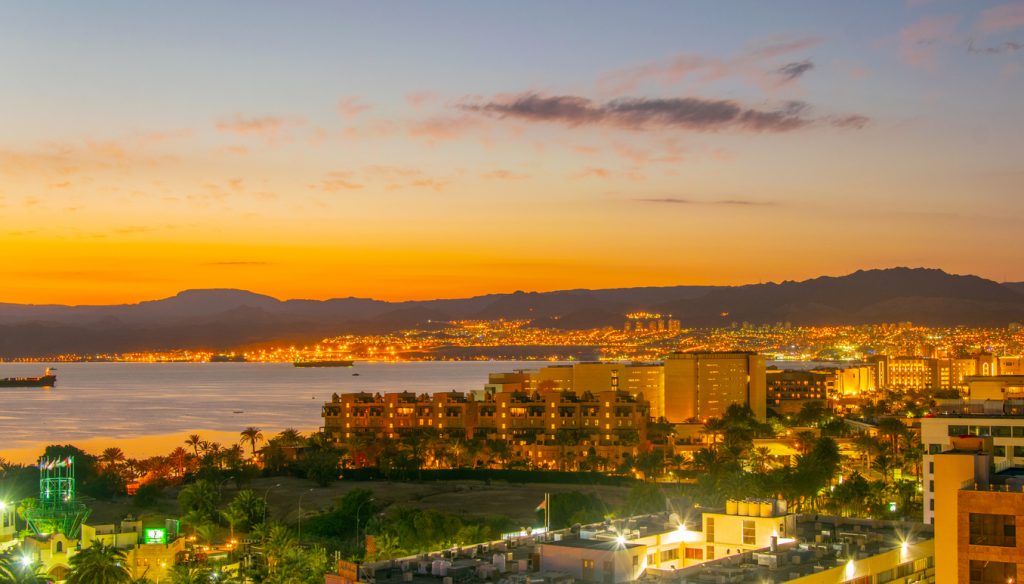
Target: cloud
[
  {"x": 268, "y": 127},
  {"x": 351, "y": 107},
  {"x": 502, "y": 174},
  {"x": 854, "y": 121},
  {"x": 339, "y": 181},
  {"x": 690, "y": 113},
  {"x": 420, "y": 98},
  {"x": 1006, "y": 47},
  {"x": 793, "y": 71},
  {"x": 1001, "y": 18},
  {"x": 594, "y": 171},
  {"x": 725, "y": 202},
  {"x": 753, "y": 65},
  {"x": 442, "y": 129},
  {"x": 919, "y": 43}
]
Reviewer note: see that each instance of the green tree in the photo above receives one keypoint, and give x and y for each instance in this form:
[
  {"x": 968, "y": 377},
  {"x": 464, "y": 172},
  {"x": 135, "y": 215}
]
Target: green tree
[
  {"x": 252, "y": 435},
  {"x": 99, "y": 564},
  {"x": 190, "y": 574},
  {"x": 201, "y": 496},
  {"x": 322, "y": 466},
  {"x": 250, "y": 506}
]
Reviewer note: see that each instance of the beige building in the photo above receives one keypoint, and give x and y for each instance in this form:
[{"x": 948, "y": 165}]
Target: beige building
[
  {"x": 978, "y": 509},
  {"x": 704, "y": 385}
]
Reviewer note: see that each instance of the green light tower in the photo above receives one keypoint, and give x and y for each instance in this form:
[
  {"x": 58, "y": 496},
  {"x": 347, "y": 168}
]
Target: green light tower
[{"x": 57, "y": 509}]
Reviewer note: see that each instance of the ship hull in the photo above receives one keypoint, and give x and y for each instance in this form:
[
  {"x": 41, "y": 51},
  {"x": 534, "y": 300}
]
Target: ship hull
[{"x": 44, "y": 381}]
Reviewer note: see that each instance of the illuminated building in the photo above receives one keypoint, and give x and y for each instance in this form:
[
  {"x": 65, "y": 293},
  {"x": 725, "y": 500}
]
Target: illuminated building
[
  {"x": 703, "y": 385},
  {"x": 978, "y": 509},
  {"x": 541, "y": 427},
  {"x": 788, "y": 391},
  {"x": 8, "y": 531}
]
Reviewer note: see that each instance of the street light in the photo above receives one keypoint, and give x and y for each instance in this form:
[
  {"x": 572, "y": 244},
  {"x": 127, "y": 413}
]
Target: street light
[
  {"x": 221, "y": 485},
  {"x": 265, "y": 495},
  {"x": 358, "y": 509},
  {"x": 300, "y": 513}
]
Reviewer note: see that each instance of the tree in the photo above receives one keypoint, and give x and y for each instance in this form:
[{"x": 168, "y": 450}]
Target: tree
[
  {"x": 99, "y": 564},
  {"x": 112, "y": 457},
  {"x": 252, "y": 435},
  {"x": 13, "y": 570},
  {"x": 322, "y": 467},
  {"x": 201, "y": 496},
  {"x": 250, "y": 506},
  {"x": 234, "y": 516},
  {"x": 190, "y": 574},
  {"x": 195, "y": 442}
]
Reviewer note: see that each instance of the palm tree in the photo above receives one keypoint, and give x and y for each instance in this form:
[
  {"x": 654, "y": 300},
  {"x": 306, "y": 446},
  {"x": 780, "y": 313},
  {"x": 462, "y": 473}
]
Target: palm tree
[
  {"x": 759, "y": 458},
  {"x": 200, "y": 496},
  {"x": 190, "y": 574},
  {"x": 250, "y": 506},
  {"x": 13, "y": 571},
  {"x": 234, "y": 516},
  {"x": 252, "y": 435},
  {"x": 111, "y": 457},
  {"x": 195, "y": 442},
  {"x": 99, "y": 564},
  {"x": 287, "y": 437},
  {"x": 178, "y": 457}
]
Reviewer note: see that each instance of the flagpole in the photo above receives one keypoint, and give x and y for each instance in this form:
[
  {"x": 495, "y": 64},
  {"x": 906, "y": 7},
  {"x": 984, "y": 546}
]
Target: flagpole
[{"x": 547, "y": 511}]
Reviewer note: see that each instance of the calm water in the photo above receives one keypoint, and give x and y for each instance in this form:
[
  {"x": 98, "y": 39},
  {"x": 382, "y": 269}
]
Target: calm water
[
  {"x": 134, "y": 400},
  {"x": 148, "y": 408}
]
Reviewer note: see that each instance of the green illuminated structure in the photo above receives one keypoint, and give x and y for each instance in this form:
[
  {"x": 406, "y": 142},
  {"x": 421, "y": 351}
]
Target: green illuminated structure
[{"x": 57, "y": 509}]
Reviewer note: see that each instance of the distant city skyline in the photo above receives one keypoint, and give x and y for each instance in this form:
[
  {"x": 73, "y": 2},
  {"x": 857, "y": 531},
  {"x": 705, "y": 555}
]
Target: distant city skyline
[{"x": 417, "y": 151}]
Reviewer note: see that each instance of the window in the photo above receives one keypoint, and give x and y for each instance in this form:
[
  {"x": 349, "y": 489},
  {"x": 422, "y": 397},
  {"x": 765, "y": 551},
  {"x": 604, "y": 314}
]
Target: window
[
  {"x": 1018, "y": 451},
  {"x": 1018, "y": 431},
  {"x": 934, "y": 448},
  {"x": 931, "y": 486},
  {"x": 749, "y": 533},
  {"x": 672, "y": 554},
  {"x": 709, "y": 530},
  {"x": 711, "y": 552},
  {"x": 999, "y": 451},
  {"x": 694, "y": 554},
  {"x": 1001, "y": 431},
  {"x": 996, "y": 530},
  {"x": 981, "y": 430},
  {"x": 985, "y": 572},
  {"x": 931, "y": 468},
  {"x": 957, "y": 430}
]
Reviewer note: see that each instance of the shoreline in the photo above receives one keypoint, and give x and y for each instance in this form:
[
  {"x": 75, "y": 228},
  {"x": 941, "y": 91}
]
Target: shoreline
[{"x": 136, "y": 446}]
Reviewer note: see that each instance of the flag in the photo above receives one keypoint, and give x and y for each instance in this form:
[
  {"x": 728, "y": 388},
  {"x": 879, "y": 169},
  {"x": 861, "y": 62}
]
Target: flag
[{"x": 543, "y": 505}]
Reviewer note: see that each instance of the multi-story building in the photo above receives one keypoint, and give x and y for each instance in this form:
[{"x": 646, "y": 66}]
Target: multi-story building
[
  {"x": 703, "y": 385},
  {"x": 8, "y": 531},
  {"x": 994, "y": 410},
  {"x": 541, "y": 427},
  {"x": 978, "y": 508},
  {"x": 788, "y": 391},
  {"x": 907, "y": 372}
]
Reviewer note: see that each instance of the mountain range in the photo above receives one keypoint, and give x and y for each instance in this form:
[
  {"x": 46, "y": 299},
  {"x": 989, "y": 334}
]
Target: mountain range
[{"x": 225, "y": 318}]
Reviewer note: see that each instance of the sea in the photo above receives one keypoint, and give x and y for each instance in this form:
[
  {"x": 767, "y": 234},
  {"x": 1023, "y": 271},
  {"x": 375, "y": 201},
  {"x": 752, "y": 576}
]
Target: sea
[{"x": 149, "y": 408}]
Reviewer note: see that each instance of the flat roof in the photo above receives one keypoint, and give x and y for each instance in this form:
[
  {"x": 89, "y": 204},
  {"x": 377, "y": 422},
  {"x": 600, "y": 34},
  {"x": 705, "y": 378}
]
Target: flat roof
[{"x": 596, "y": 544}]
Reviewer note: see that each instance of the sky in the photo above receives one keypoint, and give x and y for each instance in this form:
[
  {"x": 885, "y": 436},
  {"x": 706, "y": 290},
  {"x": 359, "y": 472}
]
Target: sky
[{"x": 414, "y": 150}]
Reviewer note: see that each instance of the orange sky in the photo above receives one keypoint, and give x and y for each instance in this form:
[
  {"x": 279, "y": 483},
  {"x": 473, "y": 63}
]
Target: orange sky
[{"x": 326, "y": 152}]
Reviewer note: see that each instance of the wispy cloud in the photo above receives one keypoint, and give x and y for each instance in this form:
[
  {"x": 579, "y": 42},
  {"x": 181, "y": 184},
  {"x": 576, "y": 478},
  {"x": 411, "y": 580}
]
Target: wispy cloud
[
  {"x": 724, "y": 202},
  {"x": 502, "y": 174},
  {"x": 1005, "y": 47},
  {"x": 338, "y": 181},
  {"x": 754, "y": 65},
  {"x": 793, "y": 71},
  {"x": 267, "y": 127},
  {"x": 1001, "y": 18},
  {"x": 688, "y": 113},
  {"x": 919, "y": 43},
  {"x": 351, "y": 107}
]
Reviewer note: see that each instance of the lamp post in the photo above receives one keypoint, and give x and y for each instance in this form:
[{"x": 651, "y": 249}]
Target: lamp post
[
  {"x": 358, "y": 509},
  {"x": 265, "y": 495},
  {"x": 300, "y": 513},
  {"x": 220, "y": 485}
]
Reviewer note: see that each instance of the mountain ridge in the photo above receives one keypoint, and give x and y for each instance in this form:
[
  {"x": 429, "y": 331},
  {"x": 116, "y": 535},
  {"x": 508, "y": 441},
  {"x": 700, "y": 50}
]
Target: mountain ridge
[{"x": 224, "y": 317}]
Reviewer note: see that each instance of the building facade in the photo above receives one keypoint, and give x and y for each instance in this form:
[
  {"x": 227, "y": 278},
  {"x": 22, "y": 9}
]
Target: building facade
[{"x": 703, "y": 385}]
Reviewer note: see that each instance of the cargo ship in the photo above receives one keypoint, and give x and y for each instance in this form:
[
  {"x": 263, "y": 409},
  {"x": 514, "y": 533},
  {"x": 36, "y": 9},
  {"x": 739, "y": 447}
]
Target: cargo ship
[
  {"x": 47, "y": 379},
  {"x": 324, "y": 363}
]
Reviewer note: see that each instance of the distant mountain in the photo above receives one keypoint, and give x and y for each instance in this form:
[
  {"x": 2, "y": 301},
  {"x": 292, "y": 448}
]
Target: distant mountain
[
  {"x": 223, "y": 318},
  {"x": 924, "y": 296}
]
